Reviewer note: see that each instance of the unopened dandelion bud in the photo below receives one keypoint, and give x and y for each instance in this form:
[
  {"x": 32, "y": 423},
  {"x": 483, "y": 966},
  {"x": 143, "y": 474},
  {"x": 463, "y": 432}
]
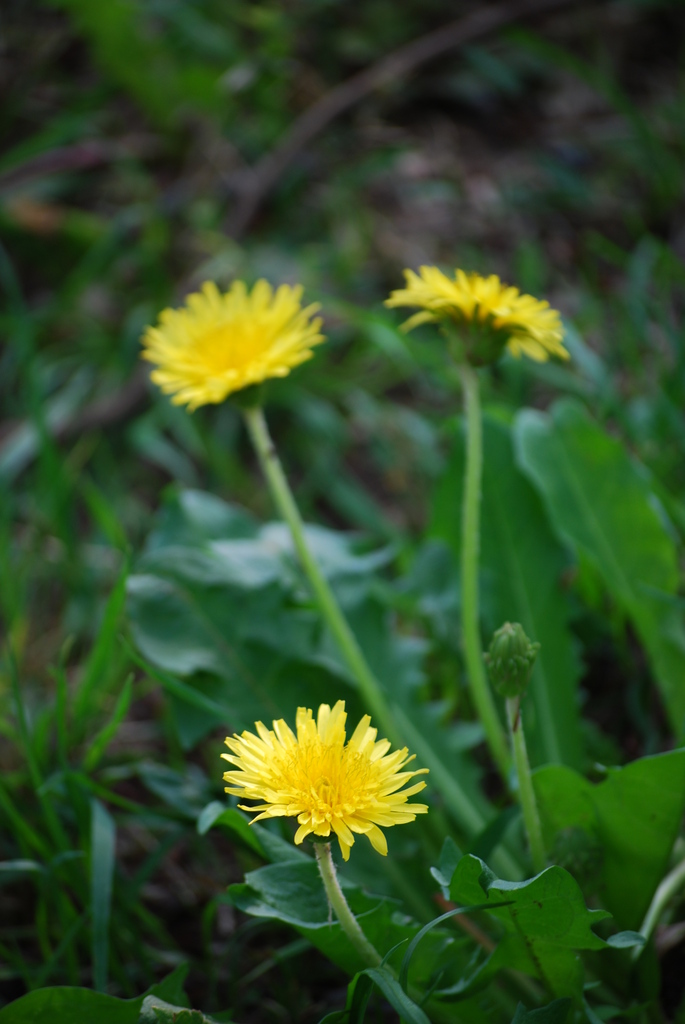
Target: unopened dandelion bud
[{"x": 510, "y": 659}]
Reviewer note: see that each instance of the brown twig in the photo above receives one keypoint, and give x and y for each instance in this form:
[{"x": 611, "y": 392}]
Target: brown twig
[{"x": 258, "y": 183}]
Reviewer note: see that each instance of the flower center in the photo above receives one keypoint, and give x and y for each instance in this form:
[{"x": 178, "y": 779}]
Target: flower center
[
  {"x": 327, "y": 779},
  {"x": 228, "y": 346}
]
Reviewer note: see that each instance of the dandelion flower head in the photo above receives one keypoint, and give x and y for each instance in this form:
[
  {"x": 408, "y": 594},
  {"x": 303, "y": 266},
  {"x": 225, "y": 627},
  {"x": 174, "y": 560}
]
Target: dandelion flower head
[
  {"x": 496, "y": 315},
  {"x": 218, "y": 342},
  {"x": 330, "y": 786}
]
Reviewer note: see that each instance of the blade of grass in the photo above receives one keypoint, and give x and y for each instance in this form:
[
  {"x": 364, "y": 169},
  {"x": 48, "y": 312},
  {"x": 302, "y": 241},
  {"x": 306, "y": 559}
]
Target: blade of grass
[
  {"x": 54, "y": 825},
  {"x": 103, "y": 835},
  {"x": 65, "y": 943},
  {"x": 101, "y": 655},
  {"x": 102, "y": 740},
  {"x": 21, "y": 829},
  {"x": 178, "y": 688}
]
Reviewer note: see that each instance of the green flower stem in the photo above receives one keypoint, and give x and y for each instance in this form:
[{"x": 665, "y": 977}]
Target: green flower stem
[
  {"x": 330, "y": 609},
  {"x": 525, "y": 785},
  {"x": 666, "y": 891},
  {"x": 348, "y": 922},
  {"x": 396, "y": 726},
  {"x": 470, "y": 544}
]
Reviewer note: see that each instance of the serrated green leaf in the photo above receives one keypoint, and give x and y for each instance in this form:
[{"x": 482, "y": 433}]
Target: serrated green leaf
[
  {"x": 450, "y": 855},
  {"x": 546, "y": 922},
  {"x": 555, "y": 1012},
  {"x": 293, "y": 892},
  {"x": 264, "y": 842},
  {"x": 156, "y": 1010},
  {"x": 258, "y": 651},
  {"x": 634, "y": 814},
  {"x": 171, "y": 987},
  {"x": 66, "y": 1005},
  {"x": 601, "y": 503}
]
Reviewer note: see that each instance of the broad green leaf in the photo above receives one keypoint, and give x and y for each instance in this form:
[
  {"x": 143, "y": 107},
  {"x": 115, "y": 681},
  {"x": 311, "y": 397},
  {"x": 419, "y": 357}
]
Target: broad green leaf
[
  {"x": 192, "y": 517},
  {"x": 521, "y": 569},
  {"x": 450, "y": 855},
  {"x": 546, "y": 922},
  {"x": 184, "y": 792},
  {"x": 171, "y": 987},
  {"x": 601, "y": 503},
  {"x": 102, "y": 838},
  {"x": 258, "y": 838},
  {"x": 634, "y": 815},
  {"x": 65, "y": 1005},
  {"x": 246, "y": 638},
  {"x": 396, "y": 996},
  {"x": 555, "y": 1012},
  {"x": 220, "y": 602},
  {"x": 157, "y": 1011},
  {"x": 292, "y": 892},
  {"x": 243, "y": 650}
]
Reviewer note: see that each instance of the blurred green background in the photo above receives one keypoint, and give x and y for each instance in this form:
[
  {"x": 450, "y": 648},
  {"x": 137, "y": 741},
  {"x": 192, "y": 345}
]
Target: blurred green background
[{"x": 550, "y": 151}]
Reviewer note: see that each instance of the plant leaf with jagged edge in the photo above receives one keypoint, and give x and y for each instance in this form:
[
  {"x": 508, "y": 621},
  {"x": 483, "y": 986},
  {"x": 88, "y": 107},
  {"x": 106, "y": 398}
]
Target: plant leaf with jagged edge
[
  {"x": 221, "y": 602},
  {"x": 545, "y": 925},
  {"x": 601, "y": 503},
  {"x": 292, "y": 892},
  {"x": 555, "y": 1012},
  {"x": 71, "y": 1005},
  {"x": 633, "y": 816}
]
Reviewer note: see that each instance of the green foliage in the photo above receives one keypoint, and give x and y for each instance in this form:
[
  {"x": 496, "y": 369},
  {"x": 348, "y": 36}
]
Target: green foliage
[
  {"x": 219, "y": 601},
  {"x": 521, "y": 566},
  {"x": 292, "y": 892},
  {"x": 634, "y": 814},
  {"x": 67, "y": 1005},
  {"x": 103, "y": 838},
  {"x": 129, "y": 132},
  {"x": 603, "y": 506},
  {"x": 555, "y": 1012},
  {"x": 545, "y": 924}
]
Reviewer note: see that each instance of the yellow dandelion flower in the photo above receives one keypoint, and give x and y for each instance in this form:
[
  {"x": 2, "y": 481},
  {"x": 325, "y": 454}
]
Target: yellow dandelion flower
[
  {"x": 219, "y": 343},
  {"x": 496, "y": 314},
  {"x": 327, "y": 784}
]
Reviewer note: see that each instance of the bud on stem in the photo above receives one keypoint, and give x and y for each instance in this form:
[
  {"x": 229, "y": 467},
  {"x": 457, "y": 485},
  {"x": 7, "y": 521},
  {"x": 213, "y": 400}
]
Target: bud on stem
[{"x": 510, "y": 660}]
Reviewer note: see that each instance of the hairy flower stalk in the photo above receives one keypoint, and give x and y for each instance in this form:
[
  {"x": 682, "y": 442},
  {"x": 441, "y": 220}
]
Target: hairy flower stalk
[
  {"x": 479, "y": 317},
  {"x": 284, "y": 500},
  {"x": 470, "y": 560},
  {"x": 331, "y": 786},
  {"x": 341, "y": 908},
  {"x": 219, "y": 344}
]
